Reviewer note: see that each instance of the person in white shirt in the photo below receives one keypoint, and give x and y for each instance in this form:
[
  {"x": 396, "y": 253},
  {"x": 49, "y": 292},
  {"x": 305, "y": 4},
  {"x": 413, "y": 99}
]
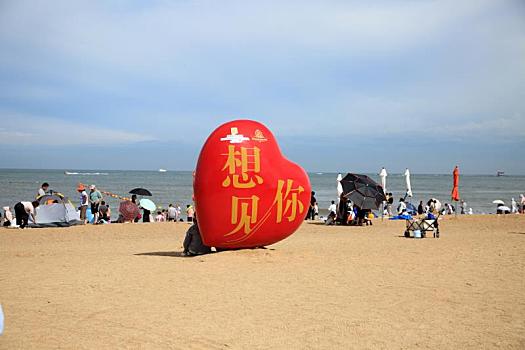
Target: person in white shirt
[
  {"x": 22, "y": 212},
  {"x": 43, "y": 190},
  {"x": 402, "y": 207},
  {"x": 160, "y": 217},
  {"x": 172, "y": 213},
  {"x": 332, "y": 208},
  {"x": 513, "y": 206}
]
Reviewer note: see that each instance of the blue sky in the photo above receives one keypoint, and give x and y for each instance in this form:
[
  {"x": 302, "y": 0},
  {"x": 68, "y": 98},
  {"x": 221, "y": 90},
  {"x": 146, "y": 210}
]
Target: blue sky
[{"x": 344, "y": 85}]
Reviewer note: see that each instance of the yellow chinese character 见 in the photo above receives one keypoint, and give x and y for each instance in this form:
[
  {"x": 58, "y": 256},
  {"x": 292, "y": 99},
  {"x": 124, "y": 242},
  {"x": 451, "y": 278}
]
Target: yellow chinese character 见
[{"x": 244, "y": 214}]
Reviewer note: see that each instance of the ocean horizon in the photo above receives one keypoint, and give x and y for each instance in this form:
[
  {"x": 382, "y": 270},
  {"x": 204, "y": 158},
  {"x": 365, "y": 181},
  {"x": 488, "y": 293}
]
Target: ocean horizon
[{"x": 175, "y": 187}]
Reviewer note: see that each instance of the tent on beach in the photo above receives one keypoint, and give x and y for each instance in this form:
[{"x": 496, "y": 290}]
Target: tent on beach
[{"x": 55, "y": 211}]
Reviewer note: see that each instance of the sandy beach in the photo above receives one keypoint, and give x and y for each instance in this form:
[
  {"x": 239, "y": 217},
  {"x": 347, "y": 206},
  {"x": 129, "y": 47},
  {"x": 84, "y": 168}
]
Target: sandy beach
[{"x": 127, "y": 286}]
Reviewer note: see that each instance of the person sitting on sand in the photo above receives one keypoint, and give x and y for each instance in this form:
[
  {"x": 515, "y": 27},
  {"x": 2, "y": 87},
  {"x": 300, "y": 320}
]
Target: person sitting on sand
[
  {"x": 193, "y": 244},
  {"x": 159, "y": 217},
  {"x": 22, "y": 212},
  {"x": 331, "y": 219},
  {"x": 8, "y": 217},
  {"x": 402, "y": 207},
  {"x": 103, "y": 210}
]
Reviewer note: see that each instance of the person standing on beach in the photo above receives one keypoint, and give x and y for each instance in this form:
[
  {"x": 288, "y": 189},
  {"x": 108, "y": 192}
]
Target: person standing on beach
[
  {"x": 172, "y": 213},
  {"x": 463, "y": 207},
  {"x": 522, "y": 203},
  {"x": 513, "y": 206},
  {"x": 311, "y": 214},
  {"x": 390, "y": 204},
  {"x": 94, "y": 198},
  {"x": 43, "y": 190},
  {"x": 22, "y": 212},
  {"x": 84, "y": 200},
  {"x": 189, "y": 212},
  {"x": 420, "y": 208}
]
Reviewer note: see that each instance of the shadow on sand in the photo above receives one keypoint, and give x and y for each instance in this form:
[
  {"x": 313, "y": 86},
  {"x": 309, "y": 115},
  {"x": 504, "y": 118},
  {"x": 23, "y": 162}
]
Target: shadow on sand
[{"x": 171, "y": 254}]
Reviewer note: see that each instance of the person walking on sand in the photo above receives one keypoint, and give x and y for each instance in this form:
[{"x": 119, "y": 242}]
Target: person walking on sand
[
  {"x": 84, "y": 200},
  {"x": 172, "y": 213},
  {"x": 522, "y": 202},
  {"x": 95, "y": 197},
  {"x": 22, "y": 212}
]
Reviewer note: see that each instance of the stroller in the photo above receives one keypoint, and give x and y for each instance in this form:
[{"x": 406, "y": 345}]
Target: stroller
[{"x": 424, "y": 225}]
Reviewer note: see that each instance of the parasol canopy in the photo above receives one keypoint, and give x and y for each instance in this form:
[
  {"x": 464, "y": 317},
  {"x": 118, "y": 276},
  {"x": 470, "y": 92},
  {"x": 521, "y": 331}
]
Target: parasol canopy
[
  {"x": 339, "y": 186},
  {"x": 364, "y": 192},
  {"x": 383, "y": 174},
  {"x": 498, "y": 201},
  {"x": 407, "y": 180},
  {"x": 147, "y": 204},
  {"x": 140, "y": 192},
  {"x": 129, "y": 210},
  {"x": 455, "y": 187}
]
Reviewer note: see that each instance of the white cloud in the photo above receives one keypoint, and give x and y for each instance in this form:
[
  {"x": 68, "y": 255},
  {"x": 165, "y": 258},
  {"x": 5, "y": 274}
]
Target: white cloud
[{"x": 20, "y": 129}]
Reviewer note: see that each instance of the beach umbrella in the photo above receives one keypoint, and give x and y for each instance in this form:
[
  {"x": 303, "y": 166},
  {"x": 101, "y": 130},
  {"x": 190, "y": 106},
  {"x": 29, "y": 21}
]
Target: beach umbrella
[
  {"x": 455, "y": 187},
  {"x": 129, "y": 210},
  {"x": 140, "y": 192},
  {"x": 498, "y": 201},
  {"x": 407, "y": 180},
  {"x": 364, "y": 192},
  {"x": 383, "y": 175},
  {"x": 339, "y": 186},
  {"x": 147, "y": 204}
]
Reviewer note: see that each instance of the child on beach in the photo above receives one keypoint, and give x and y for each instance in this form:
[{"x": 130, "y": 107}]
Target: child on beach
[
  {"x": 159, "y": 217},
  {"x": 189, "y": 212}
]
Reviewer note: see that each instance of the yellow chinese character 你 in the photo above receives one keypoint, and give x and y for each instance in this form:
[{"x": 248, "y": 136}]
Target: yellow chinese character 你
[{"x": 286, "y": 200}]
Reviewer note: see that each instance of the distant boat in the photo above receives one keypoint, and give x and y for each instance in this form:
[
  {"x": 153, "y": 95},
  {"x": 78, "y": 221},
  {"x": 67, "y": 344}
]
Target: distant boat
[
  {"x": 500, "y": 173},
  {"x": 162, "y": 170}
]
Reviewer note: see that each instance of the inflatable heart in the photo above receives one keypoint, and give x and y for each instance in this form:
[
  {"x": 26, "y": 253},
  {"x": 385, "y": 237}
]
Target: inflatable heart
[{"x": 247, "y": 194}]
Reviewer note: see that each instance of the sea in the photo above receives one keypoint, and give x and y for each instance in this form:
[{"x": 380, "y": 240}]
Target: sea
[{"x": 176, "y": 186}]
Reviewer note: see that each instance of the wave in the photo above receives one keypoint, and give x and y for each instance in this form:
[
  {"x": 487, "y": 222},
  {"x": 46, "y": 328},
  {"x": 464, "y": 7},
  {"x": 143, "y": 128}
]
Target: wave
[{"x": 75, "y": 173}]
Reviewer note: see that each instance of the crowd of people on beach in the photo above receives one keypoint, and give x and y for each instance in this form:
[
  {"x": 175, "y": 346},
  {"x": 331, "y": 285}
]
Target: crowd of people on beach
[{"x": 24, "y": 212}]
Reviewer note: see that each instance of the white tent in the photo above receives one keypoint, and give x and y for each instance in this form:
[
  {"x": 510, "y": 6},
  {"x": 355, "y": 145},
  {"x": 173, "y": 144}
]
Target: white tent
[
  {"x": 407, "y": 180},
  {"x": 55, "y": 211}
]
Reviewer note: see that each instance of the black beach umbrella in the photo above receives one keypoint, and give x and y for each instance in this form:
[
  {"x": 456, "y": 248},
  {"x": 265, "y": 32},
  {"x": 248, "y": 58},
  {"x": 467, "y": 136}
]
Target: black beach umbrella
[
  {"x": 140, "y": 192},
  {"x": 363, "y": 191}
]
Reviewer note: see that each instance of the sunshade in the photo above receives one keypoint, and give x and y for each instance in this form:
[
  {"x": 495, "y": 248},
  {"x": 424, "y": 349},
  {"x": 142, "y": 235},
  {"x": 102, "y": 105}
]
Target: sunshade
[
  {"x": 498, "y": 201},
  {"x": 147, "y": 204},
  {"x": 455, "y": 186},
  {"x": 129, "y": 210},
  {"x": 140, "y": 192},
  {"x": 364, "y": 192},
  {"x": 383, "y": 174},
  {"x": 339, "y": 186},
  {"x": 407, "y": 180}
]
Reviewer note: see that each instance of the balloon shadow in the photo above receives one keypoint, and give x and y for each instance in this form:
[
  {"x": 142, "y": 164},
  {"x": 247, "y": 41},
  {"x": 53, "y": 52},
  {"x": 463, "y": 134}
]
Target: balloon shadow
[{"x": 171, "y": 254}]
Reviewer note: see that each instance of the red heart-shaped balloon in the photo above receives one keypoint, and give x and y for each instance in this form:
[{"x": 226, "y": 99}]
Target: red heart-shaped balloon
[{"x": 247, "y": 194}]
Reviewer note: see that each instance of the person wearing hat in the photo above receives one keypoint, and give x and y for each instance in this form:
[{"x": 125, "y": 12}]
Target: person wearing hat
[
  {"x": 95, "y": 197},
  {"x": 84, "y": 200}
]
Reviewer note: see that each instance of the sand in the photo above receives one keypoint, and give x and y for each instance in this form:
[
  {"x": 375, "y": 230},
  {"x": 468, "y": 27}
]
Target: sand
[{"x": 126, "y": 286}]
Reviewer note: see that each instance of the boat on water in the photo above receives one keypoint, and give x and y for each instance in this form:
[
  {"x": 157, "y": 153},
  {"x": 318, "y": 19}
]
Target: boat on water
[
  {"x": 162, "y": 170},
  {"x": 500, "y": 173}
]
